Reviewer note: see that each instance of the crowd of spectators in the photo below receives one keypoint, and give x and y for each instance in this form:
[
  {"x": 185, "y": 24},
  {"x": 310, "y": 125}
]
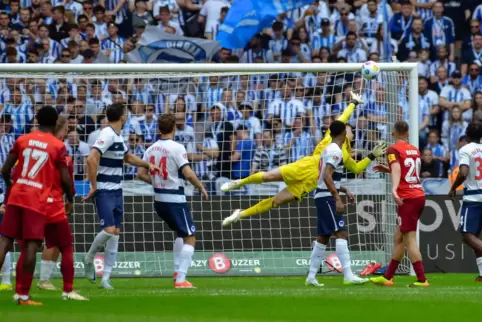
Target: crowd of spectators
[{"x": 235, "y": 125}]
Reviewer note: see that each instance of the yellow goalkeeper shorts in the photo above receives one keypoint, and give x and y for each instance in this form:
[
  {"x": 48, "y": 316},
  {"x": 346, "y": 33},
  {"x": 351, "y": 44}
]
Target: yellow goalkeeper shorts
[{"x": 301, "y": 176}]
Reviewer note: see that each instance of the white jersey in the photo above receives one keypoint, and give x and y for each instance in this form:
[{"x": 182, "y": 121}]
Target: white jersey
[
  {"x": 171, "y": 157},
  {"x": 112, "y": 148},
  {"x": 331, "y": 155},
  {"x": 471, "y": 156}
]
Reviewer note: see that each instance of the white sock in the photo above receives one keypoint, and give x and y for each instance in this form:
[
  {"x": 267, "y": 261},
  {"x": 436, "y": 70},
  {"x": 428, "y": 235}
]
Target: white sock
[
  {"x": 46, "y": 268},
  {"x": 51, "y": 269},
  {"x": 7, "y": 269},
  {"x": 178, "y": 243},
  {"x": 185, "y": 259},
  {"x": 97, "y": 245},
  {"x": 110, "y": 256},
  {"x": 479, "y": 265},
  {"x": 317, "y": 257},
  {"x": 343, "y": 255}
]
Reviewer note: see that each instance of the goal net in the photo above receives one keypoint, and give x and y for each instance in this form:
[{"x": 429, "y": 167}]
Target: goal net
[{"x": 233, "y": 120}]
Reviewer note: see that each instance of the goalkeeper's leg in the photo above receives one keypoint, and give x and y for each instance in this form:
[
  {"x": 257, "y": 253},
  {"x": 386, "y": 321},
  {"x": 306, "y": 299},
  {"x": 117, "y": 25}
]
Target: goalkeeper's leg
[
  {"x": 256, "y": 178},
  {"x": 282, "y": 197}
]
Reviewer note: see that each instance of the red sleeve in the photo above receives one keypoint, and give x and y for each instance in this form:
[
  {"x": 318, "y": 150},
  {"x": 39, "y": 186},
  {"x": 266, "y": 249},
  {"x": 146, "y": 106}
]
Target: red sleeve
[
  {"x": 61, "y": 161},
  {"x": 392, "y": 155},
  {"x": 14, "y": 148}
]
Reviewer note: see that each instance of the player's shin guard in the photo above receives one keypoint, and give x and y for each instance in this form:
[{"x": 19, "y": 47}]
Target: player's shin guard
[
  {"x": 99, "y": 242},
  {"x": 343, "y": 255},
  {"x": 259, "y": 208},
  {"x": 67, "y": 268},
  {"x": 256, "y": 178},
  {"x": 110, "y": 256},
  {"x": 186, "y": 259},
  {"x": 317, "y": 257},
  {"x": 178, "y": 244},
  {"x": 7, "y": 269}
]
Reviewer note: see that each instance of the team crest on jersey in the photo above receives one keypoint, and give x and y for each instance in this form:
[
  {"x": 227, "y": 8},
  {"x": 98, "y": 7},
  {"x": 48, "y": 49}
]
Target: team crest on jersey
[
  {"x": 341, "y": 223},
  {"x": 391, "y": 158},
  {"x": 193, "y": 228}
]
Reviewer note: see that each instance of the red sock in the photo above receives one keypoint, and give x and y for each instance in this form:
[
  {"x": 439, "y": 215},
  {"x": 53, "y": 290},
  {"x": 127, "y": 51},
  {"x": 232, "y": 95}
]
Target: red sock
[
  {"x": 418, "y": 268},
  {"x": 392, "y": 268},
  {"x": 19, "y": 274},
  {"x": 67, "y": 268}
]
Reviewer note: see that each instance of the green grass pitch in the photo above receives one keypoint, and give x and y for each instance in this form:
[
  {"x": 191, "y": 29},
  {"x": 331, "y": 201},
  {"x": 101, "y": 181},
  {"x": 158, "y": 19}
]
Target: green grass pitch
[{"x": 451, "y": 297}]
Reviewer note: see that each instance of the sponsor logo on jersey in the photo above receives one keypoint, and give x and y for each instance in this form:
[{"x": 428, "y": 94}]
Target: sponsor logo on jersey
[
  {"x": 391, "y": 158},
  {"x": 100, "y": 142}
]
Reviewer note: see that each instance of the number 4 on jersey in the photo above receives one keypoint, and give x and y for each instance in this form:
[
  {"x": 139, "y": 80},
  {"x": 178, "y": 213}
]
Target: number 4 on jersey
[{"x": 162, "y": 166}]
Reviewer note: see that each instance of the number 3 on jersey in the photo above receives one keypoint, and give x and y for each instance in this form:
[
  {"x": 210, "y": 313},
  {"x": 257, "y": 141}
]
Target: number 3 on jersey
[
  {"x": 413, "y": 173},
  {"x": 40, "y": 158},
  {"x": 162, "y": 166},
  {"x": 478, "y": 176}
]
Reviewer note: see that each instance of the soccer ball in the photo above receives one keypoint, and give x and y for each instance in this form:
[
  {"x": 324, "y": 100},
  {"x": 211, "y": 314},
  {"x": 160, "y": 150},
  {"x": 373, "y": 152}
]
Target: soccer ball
[{"x": 370, "y": 70}]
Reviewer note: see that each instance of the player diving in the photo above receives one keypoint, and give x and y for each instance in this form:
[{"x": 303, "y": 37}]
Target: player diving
[{"x": 301, "y": 177}]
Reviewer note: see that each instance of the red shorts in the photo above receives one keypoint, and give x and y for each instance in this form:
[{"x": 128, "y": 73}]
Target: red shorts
[
  {"x": 409, "y": 213},
  {"x": 23, "y": 224},
  {"x": 58, "y": 234}
]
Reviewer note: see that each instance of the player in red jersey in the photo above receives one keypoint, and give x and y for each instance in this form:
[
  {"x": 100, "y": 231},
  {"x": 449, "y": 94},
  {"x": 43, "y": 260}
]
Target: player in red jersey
[
  {"x": 404, "y": 165},
  {"x": 39, "y": 155}
]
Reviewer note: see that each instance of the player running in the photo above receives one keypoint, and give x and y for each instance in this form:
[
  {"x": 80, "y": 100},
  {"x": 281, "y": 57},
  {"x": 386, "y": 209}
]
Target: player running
[
  {"x": 469, "y": 171},
  {"x": 170, "y": 200},
  {"x": 39, "y": 155},
  {"x": 330, "y": 208},
  {"x": 404, "y": 165},
  {"x": 301, "y": 177},
  {"x": 105, "y": 169},
  {"x": 58, "y": 236}
]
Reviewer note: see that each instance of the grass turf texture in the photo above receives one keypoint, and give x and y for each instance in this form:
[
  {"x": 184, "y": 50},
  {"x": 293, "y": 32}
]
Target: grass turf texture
[{"x": 450, "y": 297}]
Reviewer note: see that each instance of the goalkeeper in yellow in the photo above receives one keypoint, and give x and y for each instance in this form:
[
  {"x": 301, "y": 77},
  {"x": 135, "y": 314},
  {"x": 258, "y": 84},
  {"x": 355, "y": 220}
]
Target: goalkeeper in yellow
[{"x": 301, "y": 177}]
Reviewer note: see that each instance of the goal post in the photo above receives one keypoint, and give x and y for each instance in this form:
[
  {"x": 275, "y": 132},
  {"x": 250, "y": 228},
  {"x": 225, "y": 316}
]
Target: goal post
[{"x": 276, "y": 243}]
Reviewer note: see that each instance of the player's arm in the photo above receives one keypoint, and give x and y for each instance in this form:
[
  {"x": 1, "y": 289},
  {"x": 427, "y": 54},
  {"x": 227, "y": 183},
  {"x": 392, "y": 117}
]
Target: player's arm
[
  {"x": 464, "y": 161},
  {"x": 92, "y": 167},
  {"x": 142, "y": 173},
  {"x": 190, "y": 176},
  {"x": 396, "y": 173},
  {"x": 136, "y": 161},
  {"x": 360, "y": 166},
  {"x": 65, "y": 178},
  {"x": 9, "y": 163},
  {"x": 348, "y": 193}
]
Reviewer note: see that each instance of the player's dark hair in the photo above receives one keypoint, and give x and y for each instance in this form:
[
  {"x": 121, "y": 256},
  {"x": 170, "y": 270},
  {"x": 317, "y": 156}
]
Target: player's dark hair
[
  {"x": 114, "y": 112},
  {"x": 401, "y": 127},
  {"x": 474, "y": 132},
  {"x": 47, "y": 117},
  {"x": 166, "y": 123},
  {"x": 337, "y": 128}
]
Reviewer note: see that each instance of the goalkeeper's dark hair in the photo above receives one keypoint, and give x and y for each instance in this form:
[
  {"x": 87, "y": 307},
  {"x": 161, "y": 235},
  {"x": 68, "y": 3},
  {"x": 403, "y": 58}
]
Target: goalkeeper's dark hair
[
  {"x": 401, "y": 127},
  {"x": 114, "y": 112},
  {"x": 474, "y": 132},
  {"x": 337, "y": 128},
  {"x": 47, "y": 117}
]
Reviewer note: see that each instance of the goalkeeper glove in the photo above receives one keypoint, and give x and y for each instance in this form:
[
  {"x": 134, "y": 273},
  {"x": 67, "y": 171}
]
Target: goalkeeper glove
[
  {"x": 379, "y": 149},
  {"x": 356, "y": 99}
]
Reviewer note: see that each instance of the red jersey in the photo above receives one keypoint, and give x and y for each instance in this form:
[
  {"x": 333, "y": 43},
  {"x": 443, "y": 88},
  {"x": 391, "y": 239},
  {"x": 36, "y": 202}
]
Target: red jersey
[
  {"x": 40, "y": 155},
  {"x": 55, "y": 202},
  {"x": 408, "y": 157}
]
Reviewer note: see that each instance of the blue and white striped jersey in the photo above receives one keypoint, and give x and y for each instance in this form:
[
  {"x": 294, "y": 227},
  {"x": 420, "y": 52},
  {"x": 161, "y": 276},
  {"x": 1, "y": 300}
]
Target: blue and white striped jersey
[
  {"x": 148, "y": 128},
  {"x": 171, "y": 157},
  {"x": 331, "y": 155},
  {"x": 21, "y": 114},
  {"x": 287, "y": 110},
  {"x": 110, "y": 43},
  {"x": 303, "y": 145},
  {"x": 212, "y": 96},
  {"x": 203, "y": 169},
  {"x": 425, "y": 13},
  {"x": 319, "y": 41},
  {"x": 112, "y": 148},
  {"x": 6, "y": 143}
]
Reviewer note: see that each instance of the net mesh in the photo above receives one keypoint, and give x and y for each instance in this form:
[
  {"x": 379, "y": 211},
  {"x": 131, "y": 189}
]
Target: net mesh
[{"x": 284, "y": 114}]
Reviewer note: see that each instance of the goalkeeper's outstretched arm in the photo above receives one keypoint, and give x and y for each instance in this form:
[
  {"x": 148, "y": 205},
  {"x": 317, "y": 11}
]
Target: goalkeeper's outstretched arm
[
  {"x": 360, "y": 166},
  {"x": 345, "y": 116}
]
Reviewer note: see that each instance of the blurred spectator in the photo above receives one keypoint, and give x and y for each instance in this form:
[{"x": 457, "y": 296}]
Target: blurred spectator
[
  {"x": 20, "y": 111},
  {"x": 477, "y": 104},
  {"x": 440, "y": 30},
  {"x": 413, "y": 40},
  {"x": 439, "y": 152},
  {"x": 351, "y": 53},
  {"x": 7, "y": 139},
  {"x": 474, "y": 29},
  {"x": 473, "y": 54},
  {"x": 401, "y": 22},
  {"x": 454, "y": 94},
  {"x": 208, "y": 148},
  {"x": 113, "y": 41},
  {"x": 134, "y": 146},
  {"x": 100, "y": 23},
  {"x": 441, "y": 82},
  {"x": 453, "y": 129},
  {"x": 223, "y": 133},
  {"x": 148, "y": 125},
  {"x": 431, "y": 168},
  {"x": 250, "y": 121},
  {"x": 378, "y": 45},
  {"x": 323, "y": 39},
  {"x": 299, "y": 143},
  {"x": 185, "y": 134},
  {"x": 473, "y": 80},
  {"x": 58, "y": 27},
  {"x": 256, "y": 49},
  {"x": 268, "y": 156},
  {"x": 288, "y": 108},
  {"x": 211, "y": 14},
  {"x": 141, "y": 15},
  {"x": 85, "y": 123},
  {"x": 431, "y": 99},
  {"x": 165, "y": 22},
  {"x": 441, "y": 60},
  {"x": 212, "y": 31},
  {"x": 78, "y": 150},
  {"x": 102, "y": 123},
  {"x": 376, "y": 112},
  {"x": 242, "y": 153}
]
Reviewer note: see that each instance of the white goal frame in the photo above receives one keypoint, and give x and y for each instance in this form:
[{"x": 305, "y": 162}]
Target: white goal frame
[{"x": 111, "y": 70}]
